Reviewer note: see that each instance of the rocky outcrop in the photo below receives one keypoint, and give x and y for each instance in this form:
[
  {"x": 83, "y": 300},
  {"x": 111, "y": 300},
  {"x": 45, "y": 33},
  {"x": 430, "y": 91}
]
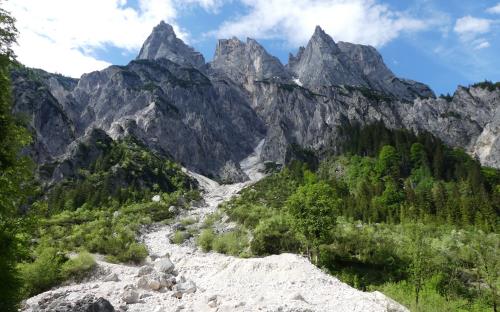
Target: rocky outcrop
[
  {"x": 247, "y": 62},
  {"x": 58, "y": 302},
  {"x": 163, "y": 43}
]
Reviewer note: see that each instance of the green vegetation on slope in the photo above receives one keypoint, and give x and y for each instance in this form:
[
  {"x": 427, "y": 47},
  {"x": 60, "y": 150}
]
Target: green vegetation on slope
[
  {"x": 100, "y": 209},
  {"x": 398, "y": 212}
]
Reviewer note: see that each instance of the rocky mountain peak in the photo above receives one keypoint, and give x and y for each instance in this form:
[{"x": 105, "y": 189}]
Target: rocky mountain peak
[
  {"x": 320, "y": 39},
  {"x": 244, "y": 62},
  {"x": 163, "y": 43},
  {"x": 323, "y": 63}
]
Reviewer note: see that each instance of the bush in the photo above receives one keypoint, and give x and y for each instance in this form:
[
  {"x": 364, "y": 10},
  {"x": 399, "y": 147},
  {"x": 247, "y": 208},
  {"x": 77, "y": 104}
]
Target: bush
[
  {"x": 179, "y": 237},
  {"x": 231, "y": 243},
  {"x": 274, "y": 236},
  {"x": 78, "y": 267},
  {"x": 135, "y": 253},
  {"x": 206, "y": 239},
  {"x": 43, "y": 273}
]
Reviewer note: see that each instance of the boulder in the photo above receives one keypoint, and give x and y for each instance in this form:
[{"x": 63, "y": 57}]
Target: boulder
[
  {"x": 144, "y": 270},
  {"x": 112, "y": 277},
  {"x": 164, "y": 265},
  {"x": 130, "y": 296}
]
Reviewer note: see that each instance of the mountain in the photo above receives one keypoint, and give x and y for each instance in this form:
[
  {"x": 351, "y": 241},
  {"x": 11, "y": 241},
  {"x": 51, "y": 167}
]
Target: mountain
[
  {"x": 163, "y": 43},
  {"x": 210, "y": 116},
  {"x": 324, "y": 63}
]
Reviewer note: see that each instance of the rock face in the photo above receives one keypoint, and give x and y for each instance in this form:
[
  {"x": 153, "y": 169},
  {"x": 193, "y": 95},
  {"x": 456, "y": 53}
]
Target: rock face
[
  {"x": 324, "y": 63},
  {"x": 245, "y": 62},
  {"x": 210, "y": 116},
  {"x": 163, "y": 43}
]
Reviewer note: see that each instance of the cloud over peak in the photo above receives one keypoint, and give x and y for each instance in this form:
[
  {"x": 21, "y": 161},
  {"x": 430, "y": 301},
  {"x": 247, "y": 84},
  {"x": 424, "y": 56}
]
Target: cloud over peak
[{"x": 359, "y": 21}]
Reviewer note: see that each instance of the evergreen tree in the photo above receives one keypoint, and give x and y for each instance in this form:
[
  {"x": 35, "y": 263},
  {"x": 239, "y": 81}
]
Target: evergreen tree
[{"x": 14, "y": 173}]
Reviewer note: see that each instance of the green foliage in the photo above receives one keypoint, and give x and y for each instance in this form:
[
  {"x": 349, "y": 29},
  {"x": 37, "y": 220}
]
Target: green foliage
[
  {"x": 43, "y": 273},
  {"x": 179, "y": 237},
  {"x": 124, "y": 172},
  {"x": 314, "y": 207},
  {"x": 400, "y": 213},
  {"x": 273, "y": 236},
  {"x": 205, "y": 239},
  {"x": 15, "y": 175},
  {"x": 79, "y": 266},
  {"x": 232, "y": 243},
  {"x": 488, "y": 85}
]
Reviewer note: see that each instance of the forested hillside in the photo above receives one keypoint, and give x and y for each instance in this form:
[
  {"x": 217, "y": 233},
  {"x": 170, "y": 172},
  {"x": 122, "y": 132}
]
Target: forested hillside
[{"x": 397, "y": 212}]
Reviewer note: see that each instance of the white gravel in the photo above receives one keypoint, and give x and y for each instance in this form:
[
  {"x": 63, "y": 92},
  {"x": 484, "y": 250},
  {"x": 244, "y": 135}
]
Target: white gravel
[{"x": 283, "y": 282}]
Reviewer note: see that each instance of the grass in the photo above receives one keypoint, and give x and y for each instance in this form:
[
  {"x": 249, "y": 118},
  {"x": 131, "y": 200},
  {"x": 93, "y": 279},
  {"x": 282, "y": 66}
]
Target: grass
[
  {"x": 179, "y": 237},
  {"x": 79, "y": 266}
]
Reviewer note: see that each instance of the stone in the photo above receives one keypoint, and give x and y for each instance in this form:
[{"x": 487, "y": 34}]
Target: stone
[
  {"x": 130, "y": 296},
  {"x": 112, "y": 277},
  {"x": 144, "y": 270},
  {"x": 164, "y": 265}
]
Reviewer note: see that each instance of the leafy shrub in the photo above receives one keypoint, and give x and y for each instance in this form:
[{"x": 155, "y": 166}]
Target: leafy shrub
[
  {"x": 78, "y": 266},
  {"x": 43, "y": 273},
  {"x": 205, "y": 239},
  {"x": 231, "y": 243},
  {"x": 135, "y": 253},
  {"x": 179, "y": 237},
  {"x": 274, "y": 236}
]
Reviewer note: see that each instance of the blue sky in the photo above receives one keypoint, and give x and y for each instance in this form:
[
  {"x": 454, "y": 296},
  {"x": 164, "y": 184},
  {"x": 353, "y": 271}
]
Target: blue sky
[{"x": 443, "y": 43}]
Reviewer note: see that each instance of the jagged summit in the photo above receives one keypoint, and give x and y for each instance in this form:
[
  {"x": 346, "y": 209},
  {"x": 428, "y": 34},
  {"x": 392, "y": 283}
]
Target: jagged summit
[
  {"x": 323, "y": 63},
  {"x": 245, "y": 62},
  {"x": 163, "y": 43}
]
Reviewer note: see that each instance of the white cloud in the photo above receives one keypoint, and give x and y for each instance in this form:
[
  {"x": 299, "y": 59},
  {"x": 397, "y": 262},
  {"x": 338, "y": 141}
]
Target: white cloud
[
  {"x": 482, "y": 45},
  {"x": 495, "y": 9},
  {"x": 468, "y": 25},
  {"x": 61, "y": 35},
  {"x": 360, "y": 21}
]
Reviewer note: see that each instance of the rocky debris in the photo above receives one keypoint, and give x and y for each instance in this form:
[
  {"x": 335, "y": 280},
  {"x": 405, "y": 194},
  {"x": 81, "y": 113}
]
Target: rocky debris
[
  {"x": 112, "y": 277},
  {"x": 163, "y": 43},
  {"x": 213, "y": 301},
  {"x": 232, "y": 173},
  {"x": 164, "y": 265},
  {"x": 59, "y": 302},
  {"x": 144, "y": 270},
  {"x": 186, "y": 287},
  {"x": 90, "y": 304},
  {"x": 130, "y": 295}
]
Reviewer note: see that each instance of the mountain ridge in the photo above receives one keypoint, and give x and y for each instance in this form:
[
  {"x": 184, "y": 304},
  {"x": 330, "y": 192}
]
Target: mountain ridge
[{"x": 208, "y": 116}]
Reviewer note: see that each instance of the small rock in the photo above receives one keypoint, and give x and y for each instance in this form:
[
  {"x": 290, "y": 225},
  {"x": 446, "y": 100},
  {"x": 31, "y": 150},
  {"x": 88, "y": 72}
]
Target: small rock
[
  {"x": 156, "y": 198},
  {"x": 144, "y": 295},
  {"x": 113, "y": 277},
  {"x": 167, "y": 281},
  {"x": 144, "y": 270},
  {"x": 180, "y": 279},
  {"x": 164, "y": 265},
  {"x": 187, "y": 287},
  {"x": 299, "y": 297},
  {"x": 172, "y": 209},
  {"x": 116, "y": 214},
  {"x": 130, "y": 296}
]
